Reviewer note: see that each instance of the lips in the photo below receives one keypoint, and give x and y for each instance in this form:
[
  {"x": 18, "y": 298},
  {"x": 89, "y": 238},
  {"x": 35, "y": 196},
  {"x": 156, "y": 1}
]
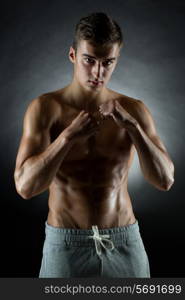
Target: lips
[{"x": 96, "y": 82}]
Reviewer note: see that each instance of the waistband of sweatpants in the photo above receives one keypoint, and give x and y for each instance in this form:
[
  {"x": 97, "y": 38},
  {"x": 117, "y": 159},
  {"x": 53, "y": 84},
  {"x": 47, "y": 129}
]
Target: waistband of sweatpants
[{"x": 80, "y": 237}]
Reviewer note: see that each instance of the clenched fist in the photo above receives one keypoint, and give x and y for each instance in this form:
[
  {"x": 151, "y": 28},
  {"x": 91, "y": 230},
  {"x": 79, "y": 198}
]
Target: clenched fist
[
  {"x": 114, "y": 109},
  {"x": 82, "y": 127}
]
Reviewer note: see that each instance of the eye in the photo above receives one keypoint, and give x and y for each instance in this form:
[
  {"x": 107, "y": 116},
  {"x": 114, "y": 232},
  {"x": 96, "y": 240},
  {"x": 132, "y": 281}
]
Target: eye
[
  {"x": 107, "y": 63},
  {"x": 89, "y": 60}
]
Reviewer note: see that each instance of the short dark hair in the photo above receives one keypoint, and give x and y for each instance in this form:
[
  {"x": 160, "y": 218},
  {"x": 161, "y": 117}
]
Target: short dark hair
[{"x": 99, "y": 29}]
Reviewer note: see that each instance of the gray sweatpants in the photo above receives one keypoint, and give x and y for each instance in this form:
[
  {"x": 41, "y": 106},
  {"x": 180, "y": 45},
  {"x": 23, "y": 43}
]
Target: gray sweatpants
[{"x": 113, "y": 252}]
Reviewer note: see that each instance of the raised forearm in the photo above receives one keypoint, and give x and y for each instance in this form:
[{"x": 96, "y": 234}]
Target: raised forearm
[
  {"x": 38, "y": 171},
  {"x": 156, "y": 164}
]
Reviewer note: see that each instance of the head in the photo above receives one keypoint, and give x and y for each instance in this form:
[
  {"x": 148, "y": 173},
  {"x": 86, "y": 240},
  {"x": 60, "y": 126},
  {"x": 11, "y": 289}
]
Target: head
[{"x": 95, "y": 50}]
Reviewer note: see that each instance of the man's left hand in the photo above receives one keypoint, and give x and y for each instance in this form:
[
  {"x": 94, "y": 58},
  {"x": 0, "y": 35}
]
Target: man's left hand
[{"x": 118, "y": 113}]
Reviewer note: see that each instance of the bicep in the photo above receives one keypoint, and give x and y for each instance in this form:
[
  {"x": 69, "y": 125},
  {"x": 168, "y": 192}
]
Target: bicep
[
  {"x": 30, "y": 146},
  {"x": 35, "y": 137},
  {"x": 147, "y": 123}
]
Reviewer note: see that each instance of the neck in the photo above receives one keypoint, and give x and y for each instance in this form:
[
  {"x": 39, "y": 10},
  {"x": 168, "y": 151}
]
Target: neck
[{"x": 83, "y": 98}]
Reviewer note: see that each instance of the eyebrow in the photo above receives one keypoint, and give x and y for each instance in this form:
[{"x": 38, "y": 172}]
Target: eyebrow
[{"x": 90, "y": 56}]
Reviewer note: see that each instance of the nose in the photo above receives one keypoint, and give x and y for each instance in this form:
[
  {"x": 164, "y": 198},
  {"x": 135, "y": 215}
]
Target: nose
[{"x": 97, "y": 70}]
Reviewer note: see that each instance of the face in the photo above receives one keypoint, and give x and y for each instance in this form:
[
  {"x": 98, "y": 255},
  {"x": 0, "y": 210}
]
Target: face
[{"x": 93, "y": 66}]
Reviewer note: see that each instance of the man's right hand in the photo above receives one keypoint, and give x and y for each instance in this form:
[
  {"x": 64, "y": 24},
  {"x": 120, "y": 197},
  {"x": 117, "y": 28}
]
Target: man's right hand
[{"x": 82, "y": 127}]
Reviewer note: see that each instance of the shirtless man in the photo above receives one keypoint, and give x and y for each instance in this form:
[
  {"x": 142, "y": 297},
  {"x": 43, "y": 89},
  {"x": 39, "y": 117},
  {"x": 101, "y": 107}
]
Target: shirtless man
[{"x": 79, "y": 143}]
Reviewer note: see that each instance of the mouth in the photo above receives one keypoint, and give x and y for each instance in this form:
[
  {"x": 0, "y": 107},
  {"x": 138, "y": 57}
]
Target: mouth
[{"x": 96, "y": 83}]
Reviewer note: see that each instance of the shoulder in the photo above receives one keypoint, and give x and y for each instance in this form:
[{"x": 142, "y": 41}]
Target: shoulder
[
  {"x": 138, "y": 109},
  {"x": 123, "y": 99},
  {"x": 142, "y": 114},
  {"x": 133, "y": 105},
  {"x": 130, "y": 103},
  {"x": 45, "y": 109}
]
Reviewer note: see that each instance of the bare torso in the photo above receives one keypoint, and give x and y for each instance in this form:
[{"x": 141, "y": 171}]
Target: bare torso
[{"x": 90, "y": 187}]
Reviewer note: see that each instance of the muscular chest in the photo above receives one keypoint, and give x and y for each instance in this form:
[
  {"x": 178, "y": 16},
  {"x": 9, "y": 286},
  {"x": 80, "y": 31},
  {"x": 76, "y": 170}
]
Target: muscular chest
[{"x": 109, "y": 142}]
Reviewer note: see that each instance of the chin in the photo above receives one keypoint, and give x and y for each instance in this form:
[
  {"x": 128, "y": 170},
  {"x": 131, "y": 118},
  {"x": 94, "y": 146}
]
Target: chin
[{"x": 95, "y": 88}]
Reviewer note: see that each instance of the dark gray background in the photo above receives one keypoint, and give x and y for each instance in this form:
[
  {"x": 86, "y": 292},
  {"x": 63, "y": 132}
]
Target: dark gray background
[{"x": 35, "y": 38}]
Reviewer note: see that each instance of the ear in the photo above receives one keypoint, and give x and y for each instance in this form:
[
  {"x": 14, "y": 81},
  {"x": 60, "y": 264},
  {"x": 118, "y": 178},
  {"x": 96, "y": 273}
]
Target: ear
[{"x": 72, "y": 55}]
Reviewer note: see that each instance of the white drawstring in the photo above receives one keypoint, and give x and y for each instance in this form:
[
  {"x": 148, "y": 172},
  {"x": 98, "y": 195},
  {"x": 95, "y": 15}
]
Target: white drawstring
[{"x": 100, "y": 239}]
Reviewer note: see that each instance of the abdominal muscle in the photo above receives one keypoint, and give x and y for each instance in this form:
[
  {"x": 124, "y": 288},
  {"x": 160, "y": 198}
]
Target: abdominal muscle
[{"x": 82, "y": 206}]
